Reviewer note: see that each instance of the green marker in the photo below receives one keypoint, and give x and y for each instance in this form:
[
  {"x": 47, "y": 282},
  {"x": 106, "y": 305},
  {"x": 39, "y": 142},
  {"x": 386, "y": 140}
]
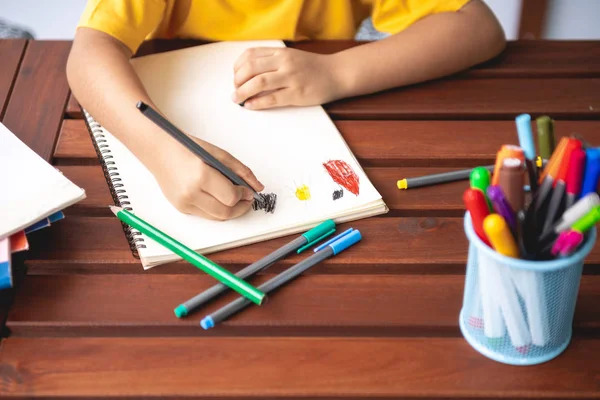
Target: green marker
[
  {"x": 206, "y": 265},
  {"x": 546, "y": 140},
  {"x": 480, "y": 179},
  {"x": 299, "y": 244},
  {"x": 586, "y": 222}
]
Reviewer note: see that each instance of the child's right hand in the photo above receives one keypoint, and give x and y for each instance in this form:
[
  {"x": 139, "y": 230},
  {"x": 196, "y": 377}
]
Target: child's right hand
[{"x": 194, "y": 187}]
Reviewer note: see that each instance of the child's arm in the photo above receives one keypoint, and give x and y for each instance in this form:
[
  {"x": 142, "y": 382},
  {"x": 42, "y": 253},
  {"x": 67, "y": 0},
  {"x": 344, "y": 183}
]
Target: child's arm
[
  {"x": 106, "y": 85},
  {"x": 435, "y": 46}
]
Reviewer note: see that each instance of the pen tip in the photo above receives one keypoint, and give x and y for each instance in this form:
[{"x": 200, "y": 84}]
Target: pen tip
[{"x": 141, "y": 105}]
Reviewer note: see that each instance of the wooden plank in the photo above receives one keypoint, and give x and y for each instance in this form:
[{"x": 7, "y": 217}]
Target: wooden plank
[
  {"x": 477, "y": 99},
  {"x": 390, "y": 245},
  {"x": 460, "y": 98},
  {"x": 142, "y": 305},
  {"x": 385, "y": 143},
  {"x": 523, "y": 58},
  {"x": 36, "y": 107},
  {"x": 11, "y": 53},
  {"x": 520, "y": 59},
  {"x": 250, "y": 368},
  {"x": 73, "y": 110},
  {"x": 440, "y": 200},
  {"x": 533, "y": 19}
]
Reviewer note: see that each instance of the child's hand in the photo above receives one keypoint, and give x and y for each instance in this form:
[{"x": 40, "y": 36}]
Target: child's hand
[
  {"x": 267, "y": 77},
  {"x": 193, "y": 187}
]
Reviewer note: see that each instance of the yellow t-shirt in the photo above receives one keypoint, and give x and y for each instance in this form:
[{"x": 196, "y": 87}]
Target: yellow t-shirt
[{"x": 132, "y": 21}]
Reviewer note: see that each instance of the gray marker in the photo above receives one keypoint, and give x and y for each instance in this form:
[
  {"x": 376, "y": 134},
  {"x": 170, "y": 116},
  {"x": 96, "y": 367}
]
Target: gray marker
[
  {"x": 331, "y": 248},
  {"x": 436, "y": 179},
  {"x": 299, "y": 244}
]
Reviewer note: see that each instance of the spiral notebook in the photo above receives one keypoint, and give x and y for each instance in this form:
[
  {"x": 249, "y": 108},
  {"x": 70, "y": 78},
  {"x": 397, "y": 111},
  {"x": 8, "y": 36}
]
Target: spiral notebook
[{"x": 296, "y": 152}]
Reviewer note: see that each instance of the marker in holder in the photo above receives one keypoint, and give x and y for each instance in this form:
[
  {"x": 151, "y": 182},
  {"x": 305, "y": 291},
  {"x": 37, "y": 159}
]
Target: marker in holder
[{"x": 516, "y": 311}]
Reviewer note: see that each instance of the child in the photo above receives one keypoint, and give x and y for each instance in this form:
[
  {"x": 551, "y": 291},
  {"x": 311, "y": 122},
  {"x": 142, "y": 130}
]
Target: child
[{"x": 428, "y": 39}]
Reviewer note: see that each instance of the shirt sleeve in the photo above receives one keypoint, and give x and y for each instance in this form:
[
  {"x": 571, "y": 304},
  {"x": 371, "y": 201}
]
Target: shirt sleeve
[
  {"x": 129, "y": 21},
  {"x": 393, "y": 16}
]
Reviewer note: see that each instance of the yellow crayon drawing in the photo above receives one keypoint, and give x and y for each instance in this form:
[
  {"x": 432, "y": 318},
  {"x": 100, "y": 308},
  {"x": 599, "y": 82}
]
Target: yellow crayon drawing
[{"x": 303, "y": 192}]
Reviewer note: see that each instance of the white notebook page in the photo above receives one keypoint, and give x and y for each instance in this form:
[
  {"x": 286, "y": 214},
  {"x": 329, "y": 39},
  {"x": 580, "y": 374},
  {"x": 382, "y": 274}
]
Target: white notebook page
[{"x": 285, "y": 148}]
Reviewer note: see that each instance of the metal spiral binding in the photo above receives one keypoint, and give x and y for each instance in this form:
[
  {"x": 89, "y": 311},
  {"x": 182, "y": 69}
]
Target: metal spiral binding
[{"x": 114, "y": 181}]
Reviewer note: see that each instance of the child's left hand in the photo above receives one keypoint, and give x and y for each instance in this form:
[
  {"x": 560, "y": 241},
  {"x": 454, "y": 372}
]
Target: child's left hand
[{"x": 268, "y": 77}]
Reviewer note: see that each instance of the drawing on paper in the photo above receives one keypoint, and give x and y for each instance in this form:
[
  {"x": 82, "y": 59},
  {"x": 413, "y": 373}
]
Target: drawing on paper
[
  {"x": 268, "y": 203},
  {"x": 343, "y": 175},
  {"x": 302, "y": 192}
]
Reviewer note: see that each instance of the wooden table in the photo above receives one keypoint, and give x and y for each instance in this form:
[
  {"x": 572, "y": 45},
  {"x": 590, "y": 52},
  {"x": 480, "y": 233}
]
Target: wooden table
[{"x": 379, "y": 321}]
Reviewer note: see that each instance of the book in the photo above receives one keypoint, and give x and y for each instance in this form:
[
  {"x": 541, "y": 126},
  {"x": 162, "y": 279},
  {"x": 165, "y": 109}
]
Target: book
[
  {"x": 6, "y": 279},
  {"x": 37, "y": 189},
  {"x": 296, "y": 152}
]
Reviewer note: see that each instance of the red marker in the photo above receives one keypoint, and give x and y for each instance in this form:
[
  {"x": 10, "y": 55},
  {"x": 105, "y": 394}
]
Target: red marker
[
  {"x": 575, "y": 176},
  {"x": 477, "y": 206}
]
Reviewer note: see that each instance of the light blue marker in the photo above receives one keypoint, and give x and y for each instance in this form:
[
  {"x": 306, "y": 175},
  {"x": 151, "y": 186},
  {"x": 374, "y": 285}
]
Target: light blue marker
[
  {"x": 334, "y": 246},
  {"x": 525, "y": 133}
]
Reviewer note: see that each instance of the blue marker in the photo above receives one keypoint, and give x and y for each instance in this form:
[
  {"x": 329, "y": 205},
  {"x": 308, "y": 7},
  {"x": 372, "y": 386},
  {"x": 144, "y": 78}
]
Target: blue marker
[
  {"x": 592, "y": 171},
  {"x": 523, "y": 122},
  {"x": 334, "y": 246}
]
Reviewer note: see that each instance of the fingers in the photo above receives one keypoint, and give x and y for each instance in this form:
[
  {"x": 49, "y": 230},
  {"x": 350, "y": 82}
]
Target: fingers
[
  {"x": 258, "y": 85},
  {"x": 254, "y": 67},
  {"x": 277, "y": 98},
  {"x": 240, "y": 169},
  {"x": 255, "y": 52},
  {"x": 206, "y": 204}
]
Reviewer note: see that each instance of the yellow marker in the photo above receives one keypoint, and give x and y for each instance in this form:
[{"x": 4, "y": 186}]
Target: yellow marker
[
  {"x": 402, "y": 184},
  {"x": 499, "y": 235}
]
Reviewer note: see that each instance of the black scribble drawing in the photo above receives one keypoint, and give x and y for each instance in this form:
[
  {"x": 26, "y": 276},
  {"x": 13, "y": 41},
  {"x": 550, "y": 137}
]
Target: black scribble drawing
[
  {"x": 268, "y": 203},
  {"x": 338, "y": 194}
]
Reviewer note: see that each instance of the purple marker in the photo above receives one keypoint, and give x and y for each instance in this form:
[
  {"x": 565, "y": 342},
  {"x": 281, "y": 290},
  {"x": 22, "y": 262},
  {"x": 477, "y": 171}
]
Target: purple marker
[{"x": 501, "y": 205}]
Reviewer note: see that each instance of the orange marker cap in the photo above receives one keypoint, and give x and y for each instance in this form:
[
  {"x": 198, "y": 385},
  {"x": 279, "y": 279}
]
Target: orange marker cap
[
  {"x": 554, "y": 162},
  {"x": 563, "y": 169},
  {"x": 506, "y": 151}
]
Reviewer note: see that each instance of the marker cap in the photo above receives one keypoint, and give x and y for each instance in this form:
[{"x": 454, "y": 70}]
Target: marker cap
[
  {"x": 476, "y": 204},
  {"x": 501, "y": 205},
  {"x": 500, "y": 236},
  {"x": 511, "y": 180},
  {"x": 525, "y": 135},
  {"x": 554, "y": 161},
  {"x": 545, "y": 130},
  {"x": 575, "y": 172},
  {"x": 577, "y": 211},
  {"x": 506, "y": 151},
  {"x": 181, "y": 311},
  {"x": 333, "y": 239},
  {"x": 587, "y": 221},
  {"x": 318, "y": 233},
  {"x": 480, "y": 178},
  {"x": 565, "y": 162},
  {"x": 344, "y": 242},
  {"x": 592, "y": 171}
]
